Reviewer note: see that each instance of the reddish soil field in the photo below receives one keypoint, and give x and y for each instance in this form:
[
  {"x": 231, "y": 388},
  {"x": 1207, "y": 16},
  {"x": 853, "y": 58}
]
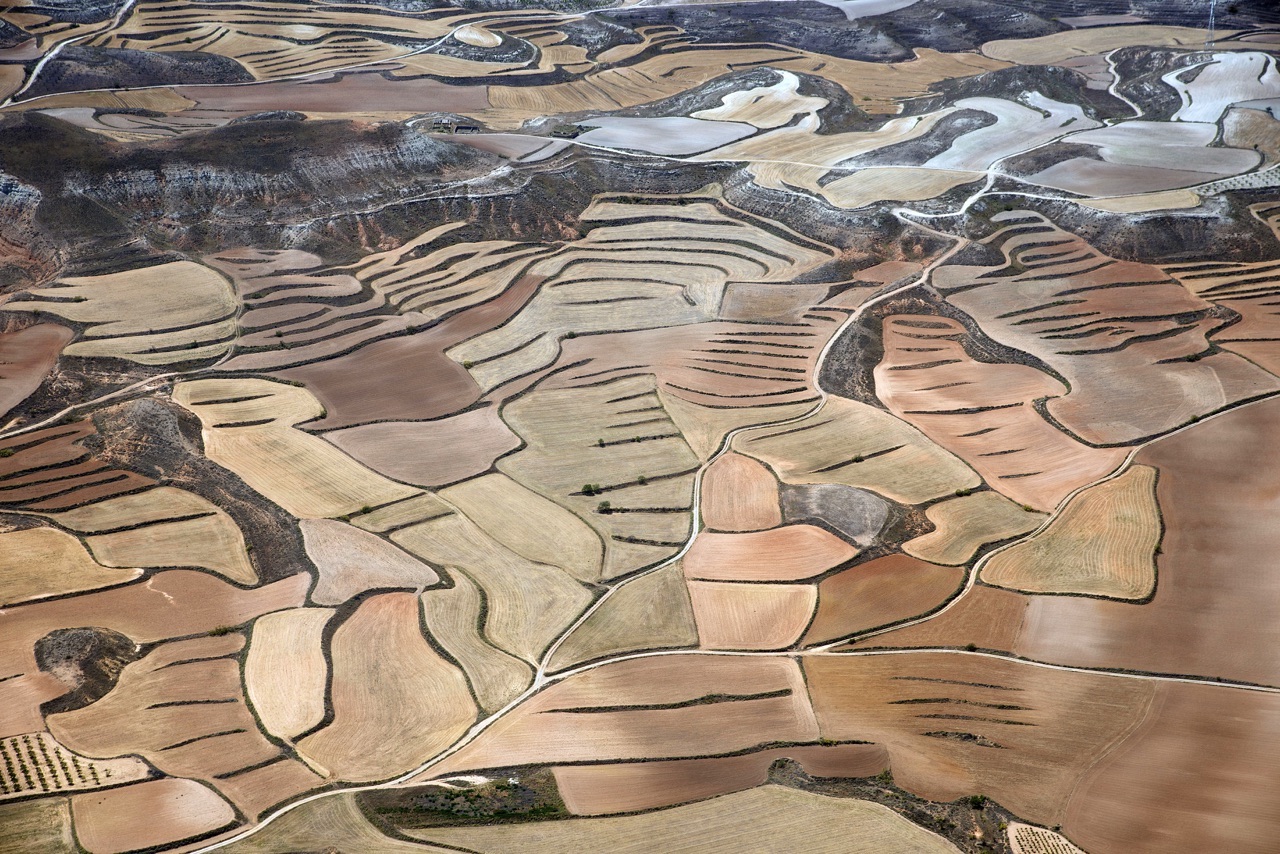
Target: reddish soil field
[
  {"x": 256, "y": 790},
  {"x": 414, "y": 379},
  {"x": 751, "y": 616},
  {"x": 26, "y": 357},
  {"x": 50, "y": 470},
  {"x": 108, "y": 822},
  {"x": 20, "y": 698},
  {"x": 882, "y": 591},
  {"x": 634, "y": 786},
  {"x": 744, "y": 701},
  {"x": 341, "y": 93},
  {"x": 791, "y": 553},
  {"x": 739, "y": 494},
  {"x": 430, "y": 453}
]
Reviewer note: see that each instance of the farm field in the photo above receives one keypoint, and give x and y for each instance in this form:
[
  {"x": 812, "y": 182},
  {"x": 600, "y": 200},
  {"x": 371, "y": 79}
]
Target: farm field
[{"x": 639, "y": 425}]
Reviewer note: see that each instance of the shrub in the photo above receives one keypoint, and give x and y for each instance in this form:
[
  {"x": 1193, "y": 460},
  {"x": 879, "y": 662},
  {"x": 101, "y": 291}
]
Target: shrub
[
  {"x": 604, "y": 507},
  {"x": 219, "y": 631},
  {"x": 7, "y": 452}
]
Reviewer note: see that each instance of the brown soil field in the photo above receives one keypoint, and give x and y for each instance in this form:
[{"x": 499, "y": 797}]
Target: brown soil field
[
  {"x": 452, "y": 615},
  {"x": 988, "y": 617},
  {"x": 352, "y": 561},
  {"x": 669, "y": 706},
  {"x": 51, "y": 470},
  {"x": 1245, "y": 288},
  {"x": 1197, "y": 775},
  {"x": 417, "y": 381},
  {"x": 285, "y": 672},
  {"x": 368, "y": 91},
  {"x": 1029, "y": 839},
  {"x": 334, "y": 822},
  {"x": 650, "y": 612},
  {"x": 963, "y": 525},
  {"x": 528, "y": 604},
  {"x": 881, "y": 591},
  {"x": 1131, "y": 327},
  {"x": 1102, "y": 544},
  {"x": 41, "y": 562},
  {"x": 107, "y": 822},
  {"x": 26, "y": 358},
  {"x": 20, "y": 699},
  {"x": 430, "y": 453},
  {"x": 789, "y": 553},
  {"x": 529, "y": 524},
  {"x": 35, "y": 763},
  {"x": 39, "y": 827},
  {"x": 257, "y": 790},
  {"x": 388, "y": 681},
  {"x": 770, "y": 818},
  {"x": 739, "y": 494},
  {"x": 636, "y": 786},
  {"x": 958, "y": 724},
  {"x": 181, "y": 708},
  {"x": 928, "y": 379},
  {"x": 857, "y": 445},
  {"x": 751, "y": 616}
]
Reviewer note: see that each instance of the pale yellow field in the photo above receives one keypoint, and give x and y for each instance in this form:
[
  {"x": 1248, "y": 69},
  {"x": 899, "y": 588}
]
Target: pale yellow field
[
  {"x": 704, "y": 428},
  {"x": 304, "y": 474},
  {"x": 41, "y": 562},
  {"x": 152, "y": 505},
  {"x": 1050, "y": 49},
  {"x": 770, "y": 818},
  {"x": 529, "y": 603},
  {"x": 352, "y": 561},
  {"x": 963, "y": 525},
  {"x": 452, "y": 616},
  {"x": 894, "y": 184},
  {"x": 35, "y": 762},
  {"x": 388, "y": 683},
  {"x": 285, "y": 672},
  {"x": 897, "y": 462},
  {"x": 213, "y": 542},
  {"x": 1102, "y": 544},
  {"x": 121, "y": 309},
  {"x": 328, "y": 824},
  {"x": 40, "y": 827},
  {"x": 1029, "y": 839},
  {"x": 1166, "y": 200},
  {"x": 529, "y": 525},
  {"x": 410, "y": 511},
  {"x": 651, "y": 612},
  {"x": 751, "y": 616}
]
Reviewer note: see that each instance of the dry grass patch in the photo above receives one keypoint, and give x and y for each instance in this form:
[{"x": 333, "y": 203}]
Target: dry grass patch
[
  {"x": 894, "y": 183},
  {"x": 1057, "y": 47},
  {"x": 529, "y": 525},
  {"x": 352, "y": 561},
  {"x": 388, "y": 682},
  {"x": 964, "y": 525},
  {"x": 334, "y": 823},
  {"x": 120, "y": 311},
  {"x": 40, "y": 562},
  {"x": 1102, "y": 544},
  {"x": 401, "y": 514},
  {"x": 751, "y": 616},
  {"x": 651, "y": 612},
  {"x": 285, "y": 672},
  {"x": 771, "y": 818},
  {"x": 176, "y": 810},
  {"x": 705, "y": 427},
  {"x": 453, "y": 616},
  {"x": 1145, "y": 202},
  {"x": 879, "y": 592},
  {"x": 790, "y": 553},
  {"x": 857, "y": 445},
  {"x": 37, "y": 827},
  {"x": 739, "y": 494},
  {"x": 248, "y": 427}
]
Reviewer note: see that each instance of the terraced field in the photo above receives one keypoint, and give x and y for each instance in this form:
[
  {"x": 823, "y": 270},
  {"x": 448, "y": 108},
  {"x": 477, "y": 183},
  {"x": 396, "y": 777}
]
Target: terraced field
[{"x": 608, "y": 425}]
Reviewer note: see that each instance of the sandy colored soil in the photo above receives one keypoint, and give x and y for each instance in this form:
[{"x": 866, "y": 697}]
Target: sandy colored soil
[
  {"x": 285, "y": 672},
  {"x": 751, "y": 616},
  {"x": 529, "y": 524},
  {"x": 302, "y": 473},
  {"x": 213, "y": 542},
  {"x": 528, "y": 604},
  {"x": 1102, "y": 544},
  {"x": 26, "y": 358},
  {"x": 1049, "y": 725},
  {"x": 1197, "y": 774},
  {"x": 636, "y": 786},
  {"x": 401, "y": 514},
  {"x": 651, "y": 612},
  {"x": 790, "y": 553},
  {"x": 897, "y": 461},
  {"x": 1029, "y": 839},
  {"x": 452, "y": 615},
  {"x": 1167, "y": 200},
  {"x": 366, "y": 91},
  {"x": 963, "y": 525},
  {"x": 564, "y": 429},
  {"x": 34, "y": 763},
  {"x": 335, "y": 822},
  {"x": 705, "y": 705},
  {"x": 43, "y": 826},
  {"x": 894, "y": 183},
  {"x": 928, "y": 379},
  {"x": 739, "y": 494},
  {"x": 107, "y": 822},
  {"x": 388, "y": 681},
  {"x": 874, "y": 594},
  {"x": 430, "y": 453},
  {"x": 257, "y": 790},
  {"x": 1130, "y": 328},
  {"x": 1247, "y": 289},
  {"x": 704, "y": 427},
  {"x": 42, "y": 562},
  {"x": 121, "y": 309},
  {"x": 181, "y": 708},
  {"x": 352, "y": 561},
  {"x": 1051, "y": 49},
  {"x": 768, "y": 818},
  {"x": 20, "y": 699},
  {"x": 764, "y": 106}
]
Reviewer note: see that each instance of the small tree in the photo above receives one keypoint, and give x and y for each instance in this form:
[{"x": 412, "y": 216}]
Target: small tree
[{"x": 604, "y": 507}]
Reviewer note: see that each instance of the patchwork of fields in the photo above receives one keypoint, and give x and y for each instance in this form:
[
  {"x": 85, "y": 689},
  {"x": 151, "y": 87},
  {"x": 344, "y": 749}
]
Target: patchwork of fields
[{"x": 807, "y": 425}]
